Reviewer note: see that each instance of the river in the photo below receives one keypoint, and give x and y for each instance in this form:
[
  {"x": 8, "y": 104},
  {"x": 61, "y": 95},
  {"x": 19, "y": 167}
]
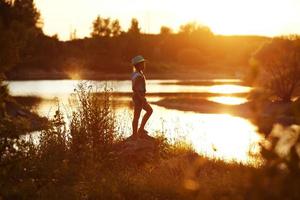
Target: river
[{"x": 222, "y": 136}]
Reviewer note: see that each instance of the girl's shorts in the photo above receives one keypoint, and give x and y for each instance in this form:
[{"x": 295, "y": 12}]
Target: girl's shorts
[{"x": 138, "y": 101}]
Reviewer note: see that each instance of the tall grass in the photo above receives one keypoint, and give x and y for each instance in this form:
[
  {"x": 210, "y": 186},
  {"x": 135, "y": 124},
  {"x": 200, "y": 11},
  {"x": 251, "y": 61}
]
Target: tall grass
[{"x": 92, "y": 127}]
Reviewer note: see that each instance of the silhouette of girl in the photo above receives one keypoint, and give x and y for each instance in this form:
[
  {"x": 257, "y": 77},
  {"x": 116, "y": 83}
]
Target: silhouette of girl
[{"x": 138, "y": 97}]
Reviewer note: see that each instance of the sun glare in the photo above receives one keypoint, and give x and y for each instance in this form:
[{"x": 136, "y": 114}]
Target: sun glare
[{"x": 74, "y": 75}]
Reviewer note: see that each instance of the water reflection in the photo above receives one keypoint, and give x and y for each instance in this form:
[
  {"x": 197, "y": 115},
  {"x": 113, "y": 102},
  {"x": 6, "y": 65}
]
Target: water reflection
[
  {"x": 219, "y": 136},
  {"x": 229, "y": 89},
  {"x": 228, "y": 100}
]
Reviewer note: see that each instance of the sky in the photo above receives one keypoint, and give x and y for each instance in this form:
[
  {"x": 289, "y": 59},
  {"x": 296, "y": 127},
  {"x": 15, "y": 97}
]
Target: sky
[{"x": 225, "y": 17}]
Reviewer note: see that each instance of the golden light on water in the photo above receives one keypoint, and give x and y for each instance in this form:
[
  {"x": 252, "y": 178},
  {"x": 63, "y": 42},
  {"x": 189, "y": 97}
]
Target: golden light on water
[
  {"x": 229, "y": 89},
  {"x": 228, "y": 138},
  {"x": 217, "y": 136},
  {"x": 228, "y": 100}
]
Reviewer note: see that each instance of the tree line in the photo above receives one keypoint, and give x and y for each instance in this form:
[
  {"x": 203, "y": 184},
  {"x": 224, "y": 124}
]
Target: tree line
[{"x": 109, "y": 48}]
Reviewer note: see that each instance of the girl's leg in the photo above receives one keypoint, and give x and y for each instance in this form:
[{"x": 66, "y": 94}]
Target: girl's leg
[
  {"x": 149, "y": 112},
  {"x": 135, "y": 121}
]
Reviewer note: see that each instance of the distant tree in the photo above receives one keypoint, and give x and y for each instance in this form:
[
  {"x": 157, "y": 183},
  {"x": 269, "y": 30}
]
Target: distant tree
[
  {"x": 134, "y": 28},
  {"x": 100, "y": 27},
  {"x": 188, "y": 28},
  {"x": 278, "y": 66},
  {"x": 164, "y": 30},
  {"x": 193, "y": 28},
  {"x": 55, "y": 36},
  {"x": 104, "y": 27},
  {"x": 115, "y": 28}
]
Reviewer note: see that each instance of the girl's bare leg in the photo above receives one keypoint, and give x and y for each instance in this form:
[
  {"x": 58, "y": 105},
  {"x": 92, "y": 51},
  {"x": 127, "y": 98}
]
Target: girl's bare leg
[
  {"x": 135, "y": 121},
  {"x": 149, "y": 112}
]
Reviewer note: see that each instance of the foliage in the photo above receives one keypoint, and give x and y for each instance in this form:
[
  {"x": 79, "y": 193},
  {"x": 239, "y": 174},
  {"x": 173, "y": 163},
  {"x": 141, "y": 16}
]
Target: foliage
[
  {"x": 104, "y": 27},
  {"x": 164, "y": 30},
  {"x": 18, "y": 22},
  {"x": 18, "y": 25},
  {"x": 278, "y": 63},
  {"x": 92, "y": 122},
  {"x": 26, "y": 12},
  {"x": 134, "y": 28},
  {"x": 193, "y": 28}
]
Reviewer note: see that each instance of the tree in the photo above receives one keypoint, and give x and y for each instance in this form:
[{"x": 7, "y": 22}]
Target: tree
[
  {"x": 104, "y": 27},
  {"x": 134, "y": 28},
  {"x": 115, "y": 28},
  {"x": 18, "y": 23},
  {"x": 195, "y": 35},
  {"x": 164, "y": 30},
  {"x": 25, "y": 11},
  {"x": 278, "y": 66},
  {"x": 193, "y": 28},
  {"x": 100, "y": 27}
]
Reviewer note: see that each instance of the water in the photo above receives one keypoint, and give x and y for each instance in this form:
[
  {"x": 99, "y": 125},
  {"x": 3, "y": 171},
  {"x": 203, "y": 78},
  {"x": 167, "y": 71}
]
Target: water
[{"x": 221, "y": 136}]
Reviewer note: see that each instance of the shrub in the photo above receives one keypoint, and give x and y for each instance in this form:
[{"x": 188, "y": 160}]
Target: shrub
[
  {"x": 92, "y": 127},
  {"x": 277, "y": 66}
]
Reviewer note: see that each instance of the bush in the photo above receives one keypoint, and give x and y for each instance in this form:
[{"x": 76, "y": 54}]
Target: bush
[
  {"x": 92, "y": 127},
  {"x": 277, "y": 66}
]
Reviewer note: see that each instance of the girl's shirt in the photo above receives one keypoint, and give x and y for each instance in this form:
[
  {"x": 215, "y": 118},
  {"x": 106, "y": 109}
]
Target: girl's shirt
[{"x": 138, "y": 82}]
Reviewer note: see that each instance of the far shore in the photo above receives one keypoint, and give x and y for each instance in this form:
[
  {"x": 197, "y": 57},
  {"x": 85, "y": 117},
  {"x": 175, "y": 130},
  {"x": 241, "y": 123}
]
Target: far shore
[{"x": 100, "y": 75}]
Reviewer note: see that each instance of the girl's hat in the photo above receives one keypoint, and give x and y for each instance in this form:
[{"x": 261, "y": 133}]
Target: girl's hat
[{"x": 137, "y": 59}]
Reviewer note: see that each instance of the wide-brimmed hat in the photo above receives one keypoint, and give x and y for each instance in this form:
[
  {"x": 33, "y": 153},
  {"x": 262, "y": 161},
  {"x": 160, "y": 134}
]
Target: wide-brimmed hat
[{"x": 137, "y": 59}]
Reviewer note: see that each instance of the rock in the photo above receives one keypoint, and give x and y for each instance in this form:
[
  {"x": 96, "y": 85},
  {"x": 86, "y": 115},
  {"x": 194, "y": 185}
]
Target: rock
[
  {"x": 138, "y": 151},
  {"x": 21, "y": 113},
  {"x": 15, "y": 111}
]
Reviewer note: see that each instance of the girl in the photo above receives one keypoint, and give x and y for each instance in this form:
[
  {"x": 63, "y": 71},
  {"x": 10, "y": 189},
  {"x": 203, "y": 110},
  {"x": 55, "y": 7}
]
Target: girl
[{"x": 139, "y": 100}]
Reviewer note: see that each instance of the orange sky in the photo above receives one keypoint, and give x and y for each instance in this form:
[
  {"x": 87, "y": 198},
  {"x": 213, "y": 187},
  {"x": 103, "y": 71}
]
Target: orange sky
[{"x": 229, "y": 17}]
